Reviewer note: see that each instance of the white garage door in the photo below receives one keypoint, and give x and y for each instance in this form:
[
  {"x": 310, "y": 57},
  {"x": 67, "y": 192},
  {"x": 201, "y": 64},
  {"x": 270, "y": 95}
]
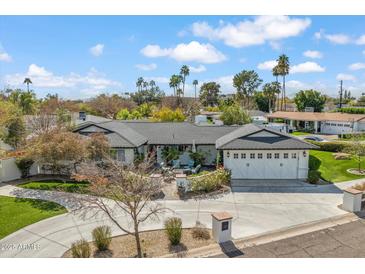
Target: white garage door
[{"x": 263, "y": 168}]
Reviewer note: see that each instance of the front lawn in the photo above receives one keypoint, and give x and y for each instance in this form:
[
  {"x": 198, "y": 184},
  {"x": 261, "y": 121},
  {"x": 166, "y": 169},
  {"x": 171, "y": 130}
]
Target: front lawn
[
  {"x": 75, "y": 187},
  {"x": 16, "y": 213},
  {"x": 332, "y": 170},
  {"x": 299, "y": 133}
]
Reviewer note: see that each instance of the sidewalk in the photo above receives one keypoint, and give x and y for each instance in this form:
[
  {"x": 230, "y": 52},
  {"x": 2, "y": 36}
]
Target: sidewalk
[{"x": 276, "y": 235}]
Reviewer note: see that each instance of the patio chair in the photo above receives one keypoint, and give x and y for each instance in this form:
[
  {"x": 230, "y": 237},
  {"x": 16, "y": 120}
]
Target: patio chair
[
  {"x": 191, "y": 164},
  {"x": 196, "y": 169}
]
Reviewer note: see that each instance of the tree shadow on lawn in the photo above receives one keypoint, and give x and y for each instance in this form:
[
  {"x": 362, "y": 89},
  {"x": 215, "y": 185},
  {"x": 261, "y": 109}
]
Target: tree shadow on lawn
[{"x": 40, "y": 204}]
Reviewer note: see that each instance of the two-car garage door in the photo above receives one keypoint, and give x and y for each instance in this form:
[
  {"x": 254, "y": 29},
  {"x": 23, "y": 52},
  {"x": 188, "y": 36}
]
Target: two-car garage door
[{"x": 263, "y": 168}]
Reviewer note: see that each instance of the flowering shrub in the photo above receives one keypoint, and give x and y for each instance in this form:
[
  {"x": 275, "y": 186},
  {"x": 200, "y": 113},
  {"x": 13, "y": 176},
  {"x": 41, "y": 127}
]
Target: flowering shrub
[{"x": 211, "y": 181}]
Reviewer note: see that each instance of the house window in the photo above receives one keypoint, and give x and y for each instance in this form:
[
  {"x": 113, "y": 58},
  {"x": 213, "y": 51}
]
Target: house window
[
  {"x": 269, "y": 156},
  {"x": 243, "y": 155},
  {"x": 235, "y": 155},
  {"x": 259, "y": 155},
  {"x": 286, "y": 155},
  {"x": 276, "y": 156},
  {"x": 294, "y": 155},
  {"x": 121, "y": 155},
  {"x": 252, "y": 155}
]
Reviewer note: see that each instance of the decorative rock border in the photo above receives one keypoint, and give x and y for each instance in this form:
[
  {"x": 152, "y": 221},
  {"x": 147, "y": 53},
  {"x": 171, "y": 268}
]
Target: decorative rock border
[{"x": 355, "y": 171}]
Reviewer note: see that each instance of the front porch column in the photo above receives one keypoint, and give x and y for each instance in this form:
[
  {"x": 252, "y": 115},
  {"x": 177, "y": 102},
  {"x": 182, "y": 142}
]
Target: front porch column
[
  {"x": 291, "y": 122},
  {"x": 315, "y": 126}
]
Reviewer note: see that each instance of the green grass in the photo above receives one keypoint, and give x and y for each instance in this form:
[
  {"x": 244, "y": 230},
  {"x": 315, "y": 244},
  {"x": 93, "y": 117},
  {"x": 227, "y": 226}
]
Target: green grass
[
  {"x": 74, "y": 187},
  {"x": 332, "y": 170},
  {"x": 16, "y": 213},
  {"x": 299, "y": 133}
]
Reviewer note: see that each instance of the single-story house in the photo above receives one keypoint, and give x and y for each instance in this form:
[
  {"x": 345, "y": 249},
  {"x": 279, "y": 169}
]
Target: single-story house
[
  {"x": 249, "y": 151},
  {"x": 322, "y": 122}
]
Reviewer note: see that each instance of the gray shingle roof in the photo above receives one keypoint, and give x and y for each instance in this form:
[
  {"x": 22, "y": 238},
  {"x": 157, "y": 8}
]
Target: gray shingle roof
[
  {"x": 179, "y": 133},
  {"x": 245, "y": 137}
]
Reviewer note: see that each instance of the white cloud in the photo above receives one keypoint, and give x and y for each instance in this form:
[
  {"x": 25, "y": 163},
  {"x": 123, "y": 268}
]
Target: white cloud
[
  {"x": 357, "y": 66},
  {"x": 295, "y": 84},
  {"x": 313, "y": 54},
  {"x": 361, "y": 40},
  {"x": 97, "y": 50},
  {"x": 5, "y": 57},
  {"x": 197, "y": 69},
  {"x": 194, "y": 51},
  {"x": 345, "y": 77},
  {"x": 258, "y": 31},
  {"x": 42, "y": 78},
  {"x": 339, "y": 38},
  {"x": 146, "y": 67},
  {"x": 307, "y": 67},
  {"x": 267, "y": 65}
]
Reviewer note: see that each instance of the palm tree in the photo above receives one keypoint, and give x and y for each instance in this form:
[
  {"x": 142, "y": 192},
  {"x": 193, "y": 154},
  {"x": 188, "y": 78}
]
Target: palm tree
[
  {"x": 184, "y": 71},
  {"x": 270, "y": 90},
  {"x": 152, "y": 84},
  {"x": 275, "y": 73},
  {"x": 174, "y": 83},
  {"x": 195, "y": 83},
  {"x": 145, "y": 85},
  {"x": 27, "y": 81},
  {"x": 139, "y": 83},
  {"x": 284, "y": 67}
]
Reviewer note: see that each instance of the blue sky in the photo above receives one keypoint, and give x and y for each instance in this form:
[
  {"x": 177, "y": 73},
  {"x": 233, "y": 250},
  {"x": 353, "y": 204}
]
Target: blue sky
[{"x": 81, "y": 56}]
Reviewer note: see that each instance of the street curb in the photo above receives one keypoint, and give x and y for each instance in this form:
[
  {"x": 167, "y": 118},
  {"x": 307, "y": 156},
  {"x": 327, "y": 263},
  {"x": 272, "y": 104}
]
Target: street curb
[{"x": 267, "y": 237}]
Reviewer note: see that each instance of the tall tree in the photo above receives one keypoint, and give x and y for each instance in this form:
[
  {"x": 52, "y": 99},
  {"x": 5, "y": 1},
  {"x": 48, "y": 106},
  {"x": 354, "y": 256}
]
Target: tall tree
[
  {"x": 174, "y": 83},
  {"x": 235, "y": 115},
  {"x": 310, "y": 98},
  {"x": 184, "y": 72},
  {"x": 26, "y": 100},
  {"x": 139, "y": 83},
  {"x": 246, "y": 82},
  {"x": 109, "y": 105},
  {"x": 209, "y": 94},
  {"x": 283, "y": 67},
  {"x": 27, "y": 81},
  {"x": 275, "y": 73},
  {"x": 271, "y": 90},
  {"x": 195, "y": 83}
]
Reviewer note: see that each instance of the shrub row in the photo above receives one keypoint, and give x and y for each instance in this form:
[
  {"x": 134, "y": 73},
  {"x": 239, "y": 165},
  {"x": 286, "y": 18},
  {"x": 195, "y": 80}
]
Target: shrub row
[
  {"x": 352, "y": 110},
  {"x": 352, "y": 135},
  {"x": 331, "y": 146},
  {"x": 211, "y": 181}
]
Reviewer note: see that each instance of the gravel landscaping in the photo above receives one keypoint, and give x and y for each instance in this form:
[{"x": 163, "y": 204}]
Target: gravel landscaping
[{"x": 155, "y": 244}]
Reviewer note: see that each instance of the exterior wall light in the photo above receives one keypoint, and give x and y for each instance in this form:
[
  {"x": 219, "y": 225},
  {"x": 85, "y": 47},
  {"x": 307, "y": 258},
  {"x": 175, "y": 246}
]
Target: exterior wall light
[{"x": 304, "y": 153}]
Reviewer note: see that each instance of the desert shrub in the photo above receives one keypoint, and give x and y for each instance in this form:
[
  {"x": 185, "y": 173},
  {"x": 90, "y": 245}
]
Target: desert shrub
[
  {"x": 360, "y": 187},
  {"x": 341, "y": 156},
  {"x": 313, "y": 176},
  {"x": 200, "y": 232},
  {"x": 102, "y": 237},
  {"x": 211, "y": 181},
  {"x": 173, "y": 227},
  {"x": 24, "y": 164},
  {"x": 331, "y": 146},
  {"x": 80, "y": 249}
]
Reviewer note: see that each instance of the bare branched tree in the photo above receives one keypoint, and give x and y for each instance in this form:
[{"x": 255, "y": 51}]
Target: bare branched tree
[
  {"x": 41, "y": 123},
  {"x": 116, "y": 188}
]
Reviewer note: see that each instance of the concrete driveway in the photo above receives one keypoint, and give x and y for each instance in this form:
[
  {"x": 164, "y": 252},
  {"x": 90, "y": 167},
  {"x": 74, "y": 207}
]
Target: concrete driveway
[{"x": 255, "y": 211}]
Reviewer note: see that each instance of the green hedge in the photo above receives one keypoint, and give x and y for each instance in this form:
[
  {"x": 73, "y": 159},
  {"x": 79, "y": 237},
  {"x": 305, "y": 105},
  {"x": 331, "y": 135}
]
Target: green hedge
[
  {"x": 360, "y": 135},
  {"x": 331, "y": 146},
  {"x": 210, "y": 182},
  {"x": 352, "y": 110}
]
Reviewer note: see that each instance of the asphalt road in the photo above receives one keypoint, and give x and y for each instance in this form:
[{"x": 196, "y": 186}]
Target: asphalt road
[{"x": 343, "y": 241}]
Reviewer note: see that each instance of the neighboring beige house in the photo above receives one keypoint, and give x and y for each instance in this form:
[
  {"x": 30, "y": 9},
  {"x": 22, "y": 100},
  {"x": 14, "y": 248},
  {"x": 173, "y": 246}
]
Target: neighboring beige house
[{"x": 322, "y": 122}]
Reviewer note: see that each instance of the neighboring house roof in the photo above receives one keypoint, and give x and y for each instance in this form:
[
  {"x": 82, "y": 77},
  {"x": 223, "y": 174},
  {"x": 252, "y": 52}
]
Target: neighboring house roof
[
  {"x": 257, "y": 113},
  {"x": 317, "y": 116},
  {"x": 251, "y": 136}
]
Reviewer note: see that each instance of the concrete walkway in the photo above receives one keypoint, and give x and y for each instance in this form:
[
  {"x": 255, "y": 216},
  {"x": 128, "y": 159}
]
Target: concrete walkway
[{"x": 255, "y": 211}]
